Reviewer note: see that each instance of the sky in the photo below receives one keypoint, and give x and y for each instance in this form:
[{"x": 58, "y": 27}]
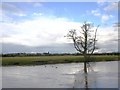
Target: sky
[{"x": 43, "y": 25}]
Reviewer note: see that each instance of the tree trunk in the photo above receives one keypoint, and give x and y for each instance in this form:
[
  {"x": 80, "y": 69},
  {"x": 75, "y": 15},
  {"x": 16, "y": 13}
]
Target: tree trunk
[{"x": 85, "y": 67}]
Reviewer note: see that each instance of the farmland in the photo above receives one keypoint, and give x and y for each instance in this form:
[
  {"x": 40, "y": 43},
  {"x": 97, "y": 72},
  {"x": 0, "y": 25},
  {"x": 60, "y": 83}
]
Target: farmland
[{"x": 41, "y": 60}]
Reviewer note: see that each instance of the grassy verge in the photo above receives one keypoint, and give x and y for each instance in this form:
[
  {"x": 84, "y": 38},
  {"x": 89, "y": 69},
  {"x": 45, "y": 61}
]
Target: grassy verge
[{"x": 40, "y": 60}]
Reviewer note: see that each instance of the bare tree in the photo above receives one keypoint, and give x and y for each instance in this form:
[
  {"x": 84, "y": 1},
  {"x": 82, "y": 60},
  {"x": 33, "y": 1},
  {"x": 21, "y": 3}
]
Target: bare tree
[{"x": 84, "y": 41}]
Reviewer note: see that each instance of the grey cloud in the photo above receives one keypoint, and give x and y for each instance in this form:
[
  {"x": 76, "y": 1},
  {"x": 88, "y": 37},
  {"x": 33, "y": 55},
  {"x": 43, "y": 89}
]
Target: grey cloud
[
  {"x": 37, "y": 4},
  {"x": 116, "y": 24},
  {"x": 113, "y": 6},
  {"x": 9, "y": 8},
  {"x": 110, "y": 46},
  {"x": 58, "y": 48}
]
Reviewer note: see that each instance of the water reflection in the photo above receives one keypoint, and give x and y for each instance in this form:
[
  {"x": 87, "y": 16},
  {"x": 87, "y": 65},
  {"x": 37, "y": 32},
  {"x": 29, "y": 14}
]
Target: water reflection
[
  {"x": 100, "y": 75},
  {"x": 86, "y": 82},
  {"x": 0, "y": 77},
  {"x": 83, "y": 80}
]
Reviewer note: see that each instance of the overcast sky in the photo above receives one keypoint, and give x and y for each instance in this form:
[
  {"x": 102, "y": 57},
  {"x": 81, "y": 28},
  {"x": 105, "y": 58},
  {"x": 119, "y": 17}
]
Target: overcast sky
[{"x": 44, "y": 25}]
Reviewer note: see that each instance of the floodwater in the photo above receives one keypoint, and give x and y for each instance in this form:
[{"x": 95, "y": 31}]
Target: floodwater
[{"x": 100, "y": 75}]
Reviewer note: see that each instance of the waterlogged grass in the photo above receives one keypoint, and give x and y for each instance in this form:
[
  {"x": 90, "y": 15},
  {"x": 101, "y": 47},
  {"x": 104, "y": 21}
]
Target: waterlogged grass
[{"x": 40, "y": 60}]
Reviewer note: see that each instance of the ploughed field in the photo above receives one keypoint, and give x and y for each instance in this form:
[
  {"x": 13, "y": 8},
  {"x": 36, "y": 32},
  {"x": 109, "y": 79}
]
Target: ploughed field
[{"x": 41, "y": 60}]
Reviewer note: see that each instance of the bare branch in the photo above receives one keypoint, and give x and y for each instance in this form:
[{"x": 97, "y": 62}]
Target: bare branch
[
  {"x": 95, "y": 39},
  {"x": 84, "y": 43}
]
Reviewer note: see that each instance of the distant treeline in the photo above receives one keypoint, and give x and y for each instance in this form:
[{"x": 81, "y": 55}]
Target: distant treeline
[{"x": 50, "y": 54}]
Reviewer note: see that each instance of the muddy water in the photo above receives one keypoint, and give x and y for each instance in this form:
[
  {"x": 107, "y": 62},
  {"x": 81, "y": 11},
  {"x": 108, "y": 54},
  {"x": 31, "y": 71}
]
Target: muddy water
[{"x": 100, "y": 75}]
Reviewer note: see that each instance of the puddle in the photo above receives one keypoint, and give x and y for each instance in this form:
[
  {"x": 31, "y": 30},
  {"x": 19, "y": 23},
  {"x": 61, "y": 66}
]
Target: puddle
[{"x": 103, "y": 75}]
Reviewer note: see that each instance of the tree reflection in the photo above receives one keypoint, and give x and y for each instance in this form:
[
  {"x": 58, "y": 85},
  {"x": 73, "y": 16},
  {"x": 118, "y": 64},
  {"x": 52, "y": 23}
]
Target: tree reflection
[{"x": 85, "y": 80}]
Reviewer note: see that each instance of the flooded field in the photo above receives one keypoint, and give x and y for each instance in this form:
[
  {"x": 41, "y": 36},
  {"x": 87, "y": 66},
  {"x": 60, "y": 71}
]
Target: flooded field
[{"x": 100, "y": 75}]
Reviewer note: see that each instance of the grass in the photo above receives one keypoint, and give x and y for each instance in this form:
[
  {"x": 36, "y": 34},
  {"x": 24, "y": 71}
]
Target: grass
[{"x": 40, "y": 60}]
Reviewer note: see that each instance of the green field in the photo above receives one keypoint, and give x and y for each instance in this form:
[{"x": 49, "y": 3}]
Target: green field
[{"x": 40, "y": 60}]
